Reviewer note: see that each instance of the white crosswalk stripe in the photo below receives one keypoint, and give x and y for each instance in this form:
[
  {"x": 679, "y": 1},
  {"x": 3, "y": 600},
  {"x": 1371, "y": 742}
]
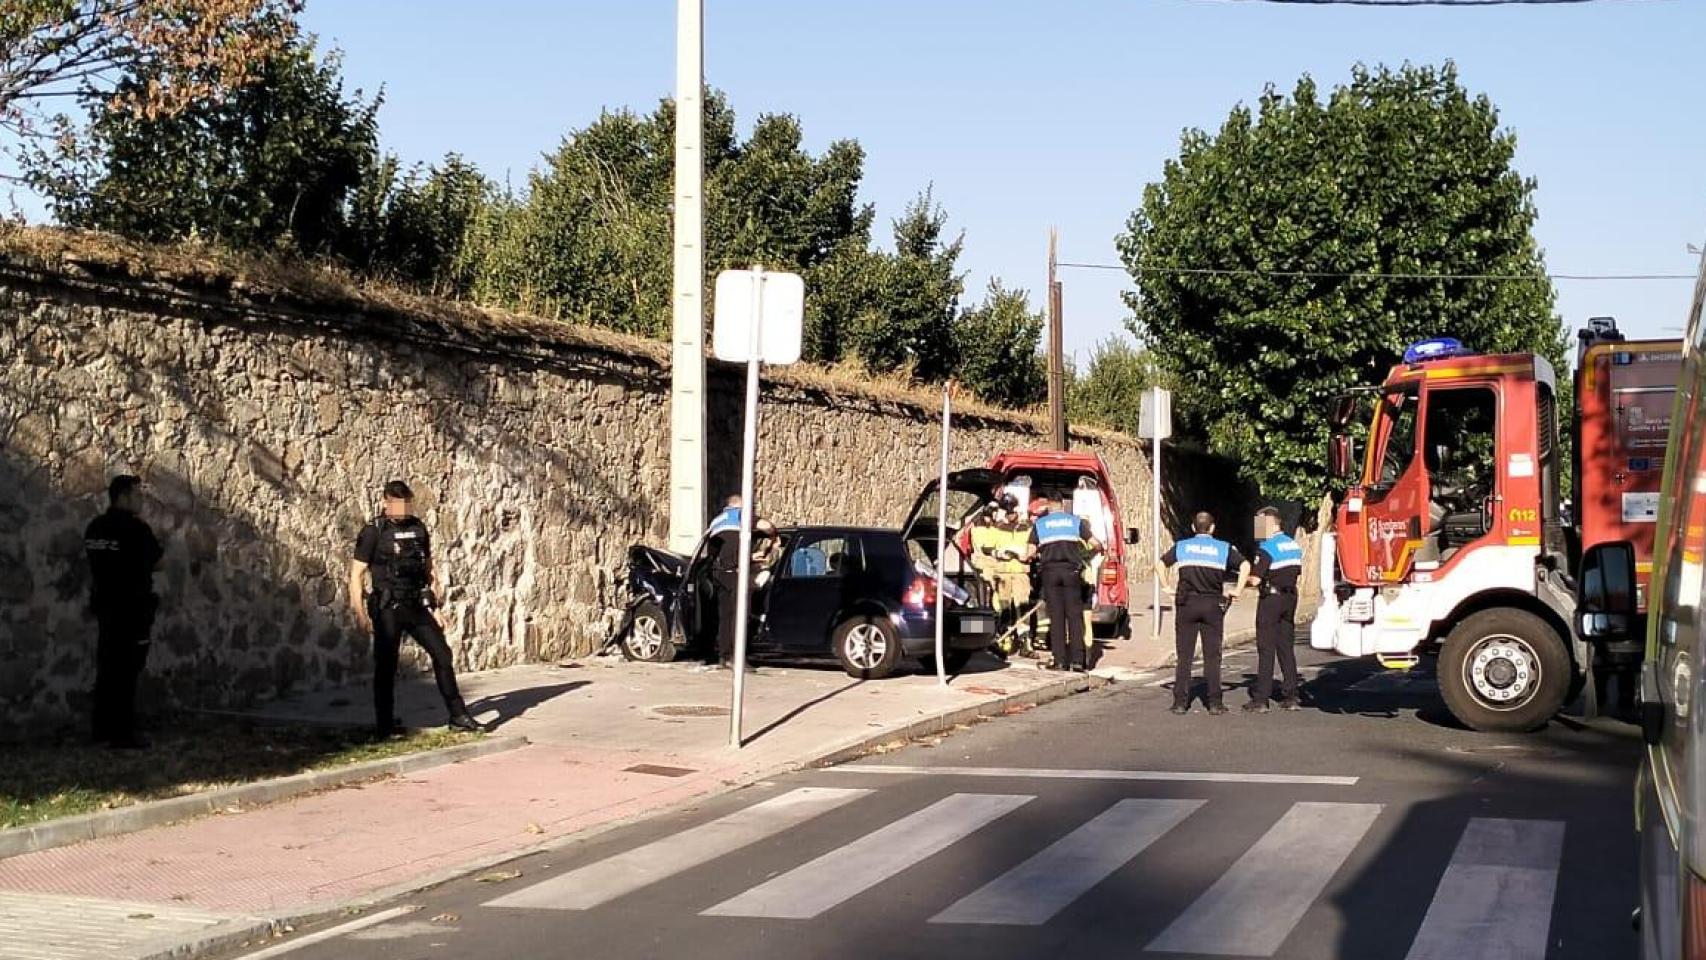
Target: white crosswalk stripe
[
  {"x": 845, "y": 873},
  {"x": 1495, "y": 900},
  {"x": 624, "y": 873},
  {"x": 1254, "y": 905},
  {"x": 1034, "y": 891}
]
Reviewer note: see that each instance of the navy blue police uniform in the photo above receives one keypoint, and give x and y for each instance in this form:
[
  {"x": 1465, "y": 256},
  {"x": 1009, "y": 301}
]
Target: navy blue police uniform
[
  {"x": 1204, "y": 564},
  {"x": 122, "y": 554},
  {"x": 723, "y": 550},
  {"x": 1059, "y": 537},
  {"x": 398, "y": 554},
  {"x": 1279, "y": 562}
]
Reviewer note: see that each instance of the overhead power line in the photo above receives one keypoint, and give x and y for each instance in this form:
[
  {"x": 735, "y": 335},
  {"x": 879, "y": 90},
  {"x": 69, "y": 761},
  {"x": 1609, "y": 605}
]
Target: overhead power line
[{"x": 1330, "y": 275}]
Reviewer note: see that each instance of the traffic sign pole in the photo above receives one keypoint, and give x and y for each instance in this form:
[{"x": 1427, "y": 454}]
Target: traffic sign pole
[{"x": 749, "y": 463}]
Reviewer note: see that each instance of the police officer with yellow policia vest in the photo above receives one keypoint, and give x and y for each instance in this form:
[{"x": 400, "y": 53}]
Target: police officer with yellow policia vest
[
  {"x": 1060, "y": 543},
  {"x": 1206, "y": 568},
  {"x": 1279, "y": 561},
  {"x": 395, "y": 551}
]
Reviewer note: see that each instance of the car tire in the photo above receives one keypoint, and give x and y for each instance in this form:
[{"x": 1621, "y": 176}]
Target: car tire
[
  {"x": 648, "y": 639},
  {"x": 1504, "y": 671},
  {"x": 867, "y": 647}
]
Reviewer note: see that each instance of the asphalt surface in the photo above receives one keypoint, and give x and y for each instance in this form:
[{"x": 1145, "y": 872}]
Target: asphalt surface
[{"x": 1099, "y": 826}]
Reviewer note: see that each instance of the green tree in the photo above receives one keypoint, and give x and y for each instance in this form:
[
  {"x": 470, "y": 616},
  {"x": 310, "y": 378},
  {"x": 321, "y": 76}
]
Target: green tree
[
  {"x": 1108, "y": 391},
  {"x": 912, "y": 299},
  {"x": 195, "y": 50},
  {"x": 1397, "y": 173},
  {"x": 997, "y": 346},
  {"x": 413, "y": 230},
  {"x": 273, "y": 163}
]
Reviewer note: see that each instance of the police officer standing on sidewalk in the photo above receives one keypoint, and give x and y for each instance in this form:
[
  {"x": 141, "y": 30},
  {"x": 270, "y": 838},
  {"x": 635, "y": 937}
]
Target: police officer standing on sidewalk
[
  {"x": 724, "y": 552},
  {"x": 1279, "y": 561},
  {"x": 395, "y": 551},
  {"x": 1060, "y": 543},
  {"x": 122, "y": 555},
  {"x": 1206, "y": 566}
]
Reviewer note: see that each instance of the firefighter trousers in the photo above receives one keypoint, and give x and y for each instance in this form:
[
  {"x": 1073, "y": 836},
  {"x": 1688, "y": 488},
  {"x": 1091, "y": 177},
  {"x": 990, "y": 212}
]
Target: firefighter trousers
[{"x": 1198, "y": 615}]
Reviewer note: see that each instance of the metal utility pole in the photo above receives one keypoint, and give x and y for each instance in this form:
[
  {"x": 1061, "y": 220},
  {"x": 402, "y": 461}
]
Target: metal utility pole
[
  {"x": 687, "y": 366},
  {"x": 1056, "y": 363}
]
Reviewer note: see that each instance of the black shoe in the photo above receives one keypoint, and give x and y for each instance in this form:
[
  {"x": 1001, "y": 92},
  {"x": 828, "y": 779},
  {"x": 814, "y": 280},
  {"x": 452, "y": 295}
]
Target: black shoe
[
  {"x": 1079, "y": 668},
  {"x": 1217, "y": 710},
  {"x": 1256, "y": 706},
  {"x": 1290, "y": 705},
  {"x": 1179, "y": 709},
  {"x": 462, "y": 721}
]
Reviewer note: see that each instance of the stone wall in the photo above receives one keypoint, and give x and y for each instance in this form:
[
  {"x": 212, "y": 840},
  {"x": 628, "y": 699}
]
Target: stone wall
[{"x": 264, "y": 425}]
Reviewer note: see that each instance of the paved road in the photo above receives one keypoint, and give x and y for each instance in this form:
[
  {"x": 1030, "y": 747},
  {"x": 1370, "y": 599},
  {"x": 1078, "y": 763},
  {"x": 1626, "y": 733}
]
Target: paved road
[{"x": 1365, "y": 828}]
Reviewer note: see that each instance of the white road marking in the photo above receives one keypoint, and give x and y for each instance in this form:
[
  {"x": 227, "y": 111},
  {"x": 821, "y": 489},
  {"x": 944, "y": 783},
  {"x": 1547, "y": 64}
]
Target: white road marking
[
  {"x": 846, "y": 872},
  {"x": 624, "y": 873},
  {"x": 1254, "y": 905},
  {"x": 1495, "y": 900},
  {"x": 330, "y": 933},
  {"x": 1034, "y": 891},
  {"x": 1020, "y": 773}
]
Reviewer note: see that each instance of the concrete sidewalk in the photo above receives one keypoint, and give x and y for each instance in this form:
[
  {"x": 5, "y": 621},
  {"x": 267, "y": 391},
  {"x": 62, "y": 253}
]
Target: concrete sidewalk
[{"x": 609, "y": 741}]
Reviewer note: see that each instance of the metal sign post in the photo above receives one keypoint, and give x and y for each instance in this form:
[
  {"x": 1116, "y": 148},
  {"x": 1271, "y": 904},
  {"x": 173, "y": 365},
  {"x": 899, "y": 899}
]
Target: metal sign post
[
  {"x": 1155, "y": 422},
  {"x": 942, "y": 540},
  {"x": 759, "y": 319}
]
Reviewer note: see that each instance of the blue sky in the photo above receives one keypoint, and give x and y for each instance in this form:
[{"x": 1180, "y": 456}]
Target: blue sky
[{"x": 1026, "y": 115}]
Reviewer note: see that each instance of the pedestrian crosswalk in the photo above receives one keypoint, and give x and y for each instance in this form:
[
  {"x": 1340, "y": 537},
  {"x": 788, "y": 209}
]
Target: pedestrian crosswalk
[{"x": 1493, "y": 900}]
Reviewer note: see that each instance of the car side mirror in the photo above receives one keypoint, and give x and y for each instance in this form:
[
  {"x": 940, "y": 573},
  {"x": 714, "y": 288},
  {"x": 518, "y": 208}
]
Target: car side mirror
[
  {"x": 1605, "y": 594},
  {"x": 1340, "y": 454},
  {"x": 1132, "y": 535}
]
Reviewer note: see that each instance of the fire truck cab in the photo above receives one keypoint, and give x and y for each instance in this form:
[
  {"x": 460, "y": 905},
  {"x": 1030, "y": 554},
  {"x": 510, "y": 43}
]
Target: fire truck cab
[{"x": 1450, "y": 535}]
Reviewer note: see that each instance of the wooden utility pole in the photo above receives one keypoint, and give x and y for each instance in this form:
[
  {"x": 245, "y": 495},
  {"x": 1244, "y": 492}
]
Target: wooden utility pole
[{"x": 1056, "y": 363}]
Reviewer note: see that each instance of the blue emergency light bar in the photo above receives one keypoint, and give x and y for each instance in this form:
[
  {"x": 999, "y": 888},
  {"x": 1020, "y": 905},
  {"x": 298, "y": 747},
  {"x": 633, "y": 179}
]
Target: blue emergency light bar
[{"x": 1434, "y": 348}]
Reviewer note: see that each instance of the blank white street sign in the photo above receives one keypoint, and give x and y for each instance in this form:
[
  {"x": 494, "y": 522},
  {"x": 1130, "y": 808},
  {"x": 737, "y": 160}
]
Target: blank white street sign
[
  {"x": 1155, "y": 414},
  {"x": 775, "y": 301}
]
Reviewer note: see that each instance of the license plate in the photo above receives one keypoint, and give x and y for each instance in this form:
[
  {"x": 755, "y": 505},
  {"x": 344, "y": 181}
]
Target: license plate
[{"x": 977, "y": 624}]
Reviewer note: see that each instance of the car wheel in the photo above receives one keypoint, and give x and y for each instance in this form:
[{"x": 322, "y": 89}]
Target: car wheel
[
  {"x": 868, "y": 647},
  {"x": 648, "y": 639},
  {"x": 1504, "y": 671}
]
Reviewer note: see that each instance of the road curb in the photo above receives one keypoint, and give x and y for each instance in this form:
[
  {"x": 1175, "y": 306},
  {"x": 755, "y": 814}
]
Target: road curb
[
  {"x": 251, "y": 930},
  {"x": 157, "y": 813}
]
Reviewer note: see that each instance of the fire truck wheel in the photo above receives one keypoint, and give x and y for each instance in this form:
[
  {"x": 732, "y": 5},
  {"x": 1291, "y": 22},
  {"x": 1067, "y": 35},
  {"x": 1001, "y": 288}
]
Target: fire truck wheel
[{"x": 1504, "y": 670}]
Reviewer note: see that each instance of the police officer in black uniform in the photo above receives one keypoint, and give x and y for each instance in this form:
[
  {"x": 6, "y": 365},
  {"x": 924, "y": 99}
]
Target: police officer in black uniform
[
  {"x": 1060, "y": 544},
  {"x": 1206, "y": 566},
  {"x": 395, "y": 550},
  {"x": 122, "y": 555},
  {"x": 1279, "y": 561},
  {"x": 723, "y": 549}
]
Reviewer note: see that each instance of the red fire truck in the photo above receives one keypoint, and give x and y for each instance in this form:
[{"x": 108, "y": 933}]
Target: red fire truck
[{"x": 1453, "y": 537}]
